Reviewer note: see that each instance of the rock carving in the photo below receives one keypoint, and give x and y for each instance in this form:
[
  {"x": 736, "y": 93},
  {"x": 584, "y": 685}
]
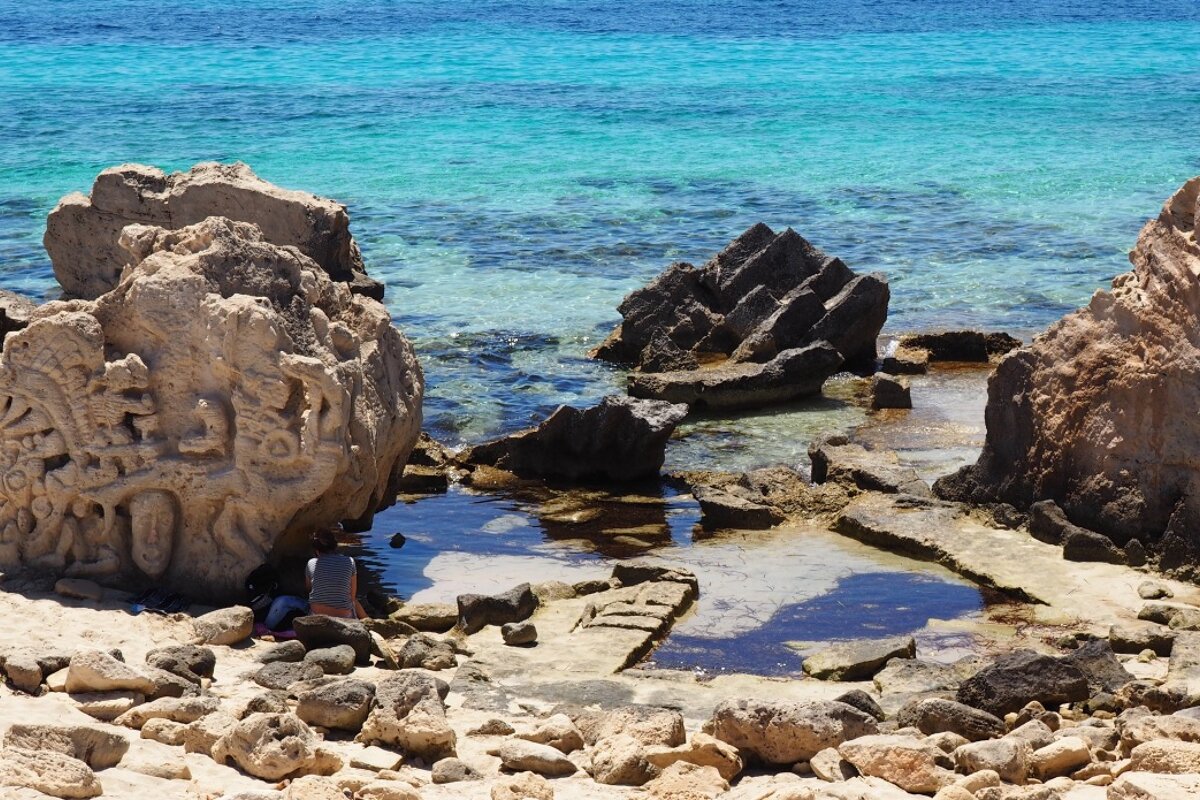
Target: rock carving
[{"x": 223, "y": 398}]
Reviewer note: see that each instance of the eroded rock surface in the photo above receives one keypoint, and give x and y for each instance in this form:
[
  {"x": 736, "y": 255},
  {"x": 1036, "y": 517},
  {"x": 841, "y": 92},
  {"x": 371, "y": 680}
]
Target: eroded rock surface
[
  {"x": 1098, "y": 413},
  {"x": 621, "y": 439},
  {"x": 145, "y": 431},
  {"x": 779, "y": 313},
  {"x": 83, "y": 232}
]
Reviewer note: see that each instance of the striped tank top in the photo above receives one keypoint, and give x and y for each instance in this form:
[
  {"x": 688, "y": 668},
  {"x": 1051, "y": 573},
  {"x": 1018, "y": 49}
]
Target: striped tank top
[{"x": 330, "y": 575}]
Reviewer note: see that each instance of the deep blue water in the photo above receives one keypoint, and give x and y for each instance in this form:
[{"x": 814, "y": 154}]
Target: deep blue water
[
  {"x": 514, "y": 168},
  {"x": 866, "y": 605}
]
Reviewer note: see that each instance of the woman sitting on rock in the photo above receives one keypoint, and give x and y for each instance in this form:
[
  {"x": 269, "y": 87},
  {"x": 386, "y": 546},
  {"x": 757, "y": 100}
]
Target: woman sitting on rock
[{"x": 332, "y": 580}]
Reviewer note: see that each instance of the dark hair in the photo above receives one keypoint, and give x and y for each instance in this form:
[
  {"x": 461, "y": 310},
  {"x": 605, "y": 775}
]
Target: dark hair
[{"x": 323, "y": 541}]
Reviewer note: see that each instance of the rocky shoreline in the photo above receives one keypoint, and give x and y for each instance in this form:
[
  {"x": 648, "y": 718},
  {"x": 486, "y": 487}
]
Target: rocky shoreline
[{"x": 1082, "y": 681}]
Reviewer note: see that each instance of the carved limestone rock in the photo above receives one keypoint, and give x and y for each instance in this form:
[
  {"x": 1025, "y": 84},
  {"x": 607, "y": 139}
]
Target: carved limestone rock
[
  {"x": 226, "y": 395},
  {"x": 83, "y": 232}
]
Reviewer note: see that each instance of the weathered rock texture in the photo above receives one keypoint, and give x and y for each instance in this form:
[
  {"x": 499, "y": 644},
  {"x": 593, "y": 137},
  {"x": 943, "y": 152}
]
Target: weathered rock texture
[
  {"x": 1099, "y": 413},
  {"x": 83, "y": 234},
  {"x": 226, "y": 395},
  {"x": 778, "y": 314},
  {"x": 621, "y": 439}
]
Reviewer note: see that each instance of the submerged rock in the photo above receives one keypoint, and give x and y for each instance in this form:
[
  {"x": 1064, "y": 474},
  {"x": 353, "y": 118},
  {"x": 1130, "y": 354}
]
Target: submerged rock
[
  {"x": 857, "y": 660},
  {"x": 621, "y": 439},
  {"x": 1099, "y": 412},
  {"x": 151, "y": 447},
  {"x": 781, "y": 314}
]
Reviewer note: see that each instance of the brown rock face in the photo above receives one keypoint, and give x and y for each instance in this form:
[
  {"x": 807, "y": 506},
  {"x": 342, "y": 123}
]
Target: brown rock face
[
  {"x": 224, "y": 397},
  {"x": 83, "y": 233},
  {"x": 777, "y": 313},
  {"x": 1099, "y": 413}
]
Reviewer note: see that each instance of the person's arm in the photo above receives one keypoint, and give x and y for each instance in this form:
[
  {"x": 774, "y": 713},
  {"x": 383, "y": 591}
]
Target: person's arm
[
  {"x": 308, "y": 573},
  {"x": 358, "y": 609}
]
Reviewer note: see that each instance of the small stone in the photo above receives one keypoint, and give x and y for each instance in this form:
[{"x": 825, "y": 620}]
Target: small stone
[
  {"x": 911, "y": 764},
  {"x": 165, "y": 731},
  {"x": 522, "y": 786},
  {"x": 1134, "y": 637},
  {"x": 106, "y": 706},
  {"x": 1061, "y": 757},
  {"x": 453, "y": 770},
  {"x": 492, "y": 727},
  {"x": 96, "y": 671},
  {"x": 289, "y": 651},
  {"x": 621, "y": 761},
  {"x": 430, "y": 617},
  {"x": 24, "y": 672},
  {"x": 343, "y": 704},
  {"x": 176, "y": 709},
  {"x": 890, "y": 391},
  {"x": 397, "y": 541},
  {"x": 274, "y": 701},
  {"x": 225, "y": 626},
  {"x": 1009, "y": 758},
  {"x": 521, "y": 756},
  {"x": 317, "y": 631},
  {"x": 375, "y": 759},
  {"x": 557, "y": 731},
  {"x": 858, "y": 660},
  {"x": 519, "y": 633},
  {"x": 828, "y": 765},
  {"x": 189, "y": 662},
  {"x": 338, "y": 660},
  {"x": 862, "y": 701},
  {"x": 282, "y": 674}
]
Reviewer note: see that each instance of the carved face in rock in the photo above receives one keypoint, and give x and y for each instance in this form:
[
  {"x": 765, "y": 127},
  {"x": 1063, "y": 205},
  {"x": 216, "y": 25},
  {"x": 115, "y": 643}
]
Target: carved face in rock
[{"x": 153, "y": 521}]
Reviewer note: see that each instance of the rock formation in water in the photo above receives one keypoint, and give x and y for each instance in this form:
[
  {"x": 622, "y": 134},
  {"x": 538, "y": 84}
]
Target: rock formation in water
[
  {"x": 768, "y": 319},
  {"x": 83, "y": 233},
  {"x": 225, "y": 395},
  {"x": 621, "y": 439},
  {"x": 1099, "y": 413}
]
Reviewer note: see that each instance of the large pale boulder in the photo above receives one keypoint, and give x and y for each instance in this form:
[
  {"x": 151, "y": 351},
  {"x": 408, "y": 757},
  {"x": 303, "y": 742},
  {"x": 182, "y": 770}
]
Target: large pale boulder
[
  {"x": 222, "y": 400},
  {"x": 83, "y": 233},
  {"x": 782, "y": 732},
  {"x": 274, "y": 746},
  {"x": 47, "y": 771},
  {"x": 779, "y": 313},
  {"x": 1099, "y": 412}
]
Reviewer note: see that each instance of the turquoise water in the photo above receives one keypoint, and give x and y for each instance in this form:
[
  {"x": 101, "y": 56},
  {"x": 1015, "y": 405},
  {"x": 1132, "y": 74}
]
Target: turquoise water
[{"x": 513, "y": 169}]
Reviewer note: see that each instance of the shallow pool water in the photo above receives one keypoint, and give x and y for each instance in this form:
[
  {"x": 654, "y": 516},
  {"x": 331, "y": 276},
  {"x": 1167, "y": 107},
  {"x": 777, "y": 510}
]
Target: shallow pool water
[{"x": 760, "y": 590}]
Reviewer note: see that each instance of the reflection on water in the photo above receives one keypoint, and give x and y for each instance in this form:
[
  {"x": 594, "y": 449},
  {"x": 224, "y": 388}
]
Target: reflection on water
[
  {"x": 860, "y": 606},
  {"x": 759, "y": 589}
]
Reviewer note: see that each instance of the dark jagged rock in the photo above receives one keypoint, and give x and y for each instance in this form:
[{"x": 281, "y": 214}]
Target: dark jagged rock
[
  {"x": 318, "y": 631},
  {"x": 888, "y": 391},
  {"x": 1021, "y": 677},
  {"x": 759, "y": 300},
  {"x": 1103, "y": 671},
  {"x": 862, "y": 701},
  {"x": 476, "y": 610},
  {"x": 731, "y": 385},
  {"x": 937, "y": 715},
  {"x": 962, "y": 345},
  {"x": 1084, "y": 545},
  {"x": 1099, "y": 412},
  {"x": 622, "y": 439}
]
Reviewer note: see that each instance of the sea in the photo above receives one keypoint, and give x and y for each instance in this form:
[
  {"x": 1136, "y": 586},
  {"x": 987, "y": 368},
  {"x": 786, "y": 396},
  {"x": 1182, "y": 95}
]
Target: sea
[{"x": 514, "y": 169}]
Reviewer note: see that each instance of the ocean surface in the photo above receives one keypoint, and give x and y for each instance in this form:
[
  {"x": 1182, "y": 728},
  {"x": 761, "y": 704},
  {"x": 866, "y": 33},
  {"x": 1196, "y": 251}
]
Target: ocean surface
[{"x": 513, "y": 169}]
